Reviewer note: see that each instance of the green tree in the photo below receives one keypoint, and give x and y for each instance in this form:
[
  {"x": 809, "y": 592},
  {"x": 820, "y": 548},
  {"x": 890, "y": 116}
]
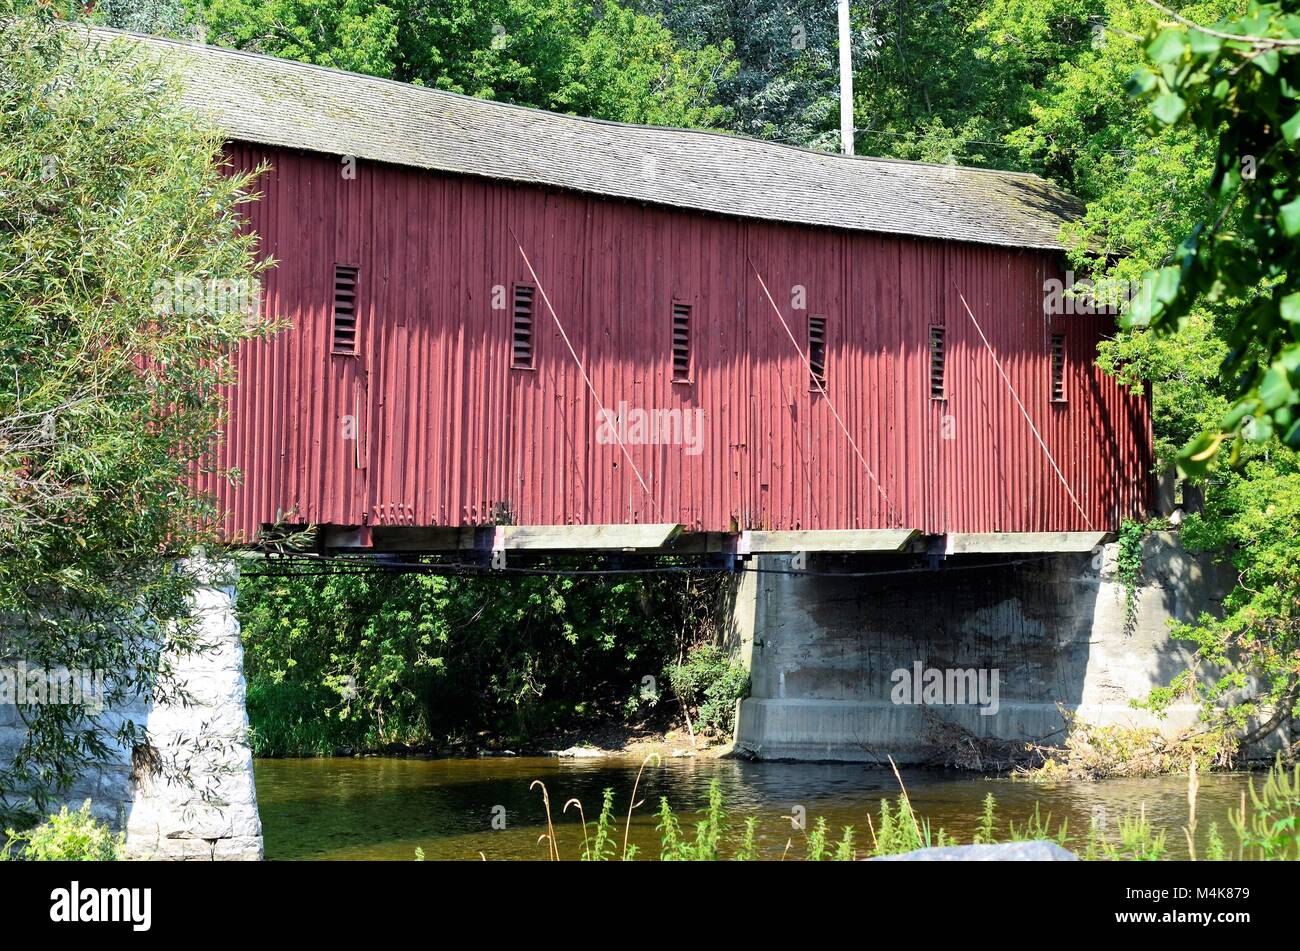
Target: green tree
[
  {"x": 784, "y": 85},
  {"x": 944, "y": 81},
  {"x": 343, "y": 34},
  {"x": 1245, "y": 93},
  {"x": 1254, "y": 647},
  {"x": 562, "y": 55},
  {"x": 172, "y": 18},
  {"x": 637, "y": 73},
  {"x": 114, "y": 210}
]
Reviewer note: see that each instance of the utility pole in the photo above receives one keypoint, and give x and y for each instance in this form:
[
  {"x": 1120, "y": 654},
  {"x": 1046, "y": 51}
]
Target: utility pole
[{"x": 846, "y": 81}]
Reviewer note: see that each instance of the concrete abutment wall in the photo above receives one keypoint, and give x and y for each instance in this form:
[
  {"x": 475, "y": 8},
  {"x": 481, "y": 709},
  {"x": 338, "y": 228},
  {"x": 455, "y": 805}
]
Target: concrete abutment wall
[{"x": 830, "y": 658}]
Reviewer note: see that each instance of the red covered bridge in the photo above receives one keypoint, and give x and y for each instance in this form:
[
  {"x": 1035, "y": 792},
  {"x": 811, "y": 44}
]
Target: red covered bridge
[{"x": 508, "y": 317}]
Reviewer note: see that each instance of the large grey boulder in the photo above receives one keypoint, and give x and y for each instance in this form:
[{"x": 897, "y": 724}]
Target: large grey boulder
[{"x": 1003, "y": 852}]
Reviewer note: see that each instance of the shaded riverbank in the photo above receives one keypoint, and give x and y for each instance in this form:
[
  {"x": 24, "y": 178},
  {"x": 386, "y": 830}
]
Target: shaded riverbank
[{"x": 380, "y": 808}]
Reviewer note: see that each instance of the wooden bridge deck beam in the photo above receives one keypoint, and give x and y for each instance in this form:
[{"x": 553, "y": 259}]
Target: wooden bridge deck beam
[
  {"x": 671, "y": 539},
  {"x": 847, "y": 540},
  {"x": 583, "y": 537},
  {"x": 1008, "y": 543}
]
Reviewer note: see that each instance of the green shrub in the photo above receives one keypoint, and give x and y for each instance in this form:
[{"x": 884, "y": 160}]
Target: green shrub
[
  {"x": 711, "y": 684},
  {"x": 66, "y": 837},
  {"x": 297, "y": 719}
]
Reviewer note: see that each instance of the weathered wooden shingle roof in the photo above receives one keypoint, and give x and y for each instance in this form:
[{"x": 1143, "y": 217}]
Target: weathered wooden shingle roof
[{"x": 263, "y": 100}]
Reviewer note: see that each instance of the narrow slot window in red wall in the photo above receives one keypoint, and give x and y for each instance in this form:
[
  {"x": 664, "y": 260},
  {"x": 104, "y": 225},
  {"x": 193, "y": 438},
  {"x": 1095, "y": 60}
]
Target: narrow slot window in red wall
[
  {"x": 521, "y": 354},
  {"x": 345, "y": 309},
  {"x": 817, "y": 353},
  {"x": 681, "y": 343},
  {"x": 938, "y": 365},
  {"x": 1058, "y": 368}
]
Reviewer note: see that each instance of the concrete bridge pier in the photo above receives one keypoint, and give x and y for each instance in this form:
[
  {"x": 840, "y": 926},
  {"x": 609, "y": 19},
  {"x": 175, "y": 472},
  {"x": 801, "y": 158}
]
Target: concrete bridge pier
[{"x": 861, "y": 668}]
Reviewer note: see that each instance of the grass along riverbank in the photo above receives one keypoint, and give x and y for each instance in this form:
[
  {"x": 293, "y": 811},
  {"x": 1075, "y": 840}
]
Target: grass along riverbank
[{"x": 1266, "y": 826}]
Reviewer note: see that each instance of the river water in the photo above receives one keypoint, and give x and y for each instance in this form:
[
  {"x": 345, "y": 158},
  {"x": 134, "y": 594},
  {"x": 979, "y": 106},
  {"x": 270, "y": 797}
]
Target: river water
[{"x": 378, "y": 808}]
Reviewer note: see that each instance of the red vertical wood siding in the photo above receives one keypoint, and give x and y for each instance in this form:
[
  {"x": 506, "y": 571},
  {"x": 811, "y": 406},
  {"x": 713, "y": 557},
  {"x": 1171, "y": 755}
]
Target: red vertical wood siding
[{"x": 446, "y": 433}]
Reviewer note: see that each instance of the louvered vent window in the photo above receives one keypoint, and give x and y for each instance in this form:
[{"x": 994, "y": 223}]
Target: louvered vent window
[
  {"x": 1058, "y": 368},
  {"x": 345, "y": 309},
  {"x": 938, "y": 358},
  {"x": 817, "y": 352},
  {"x": 681, "y": 343},
  {"x": 521, "y": 357}
]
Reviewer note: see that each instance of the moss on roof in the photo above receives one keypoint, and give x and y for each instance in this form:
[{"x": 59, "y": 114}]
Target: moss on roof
[{"x": 268, "y": 101}]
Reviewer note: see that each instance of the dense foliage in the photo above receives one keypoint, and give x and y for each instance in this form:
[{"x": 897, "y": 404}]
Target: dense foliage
[
  {"x": 1229, "y": 289},
  {"x": 1253, "y": 515},
  {"x": 608, "y": 62},
  {"x": 368, "y": 659},
  {"x": 1246, "y": 93},
  {"x": 110, "y": 199}
]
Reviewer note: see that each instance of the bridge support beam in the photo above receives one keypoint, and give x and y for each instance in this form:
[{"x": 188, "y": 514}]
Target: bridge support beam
[
  {"x": 849, "y": 540},
  {"x": 1020, "y": 543},
  {"x": 584, "y": 537}
]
